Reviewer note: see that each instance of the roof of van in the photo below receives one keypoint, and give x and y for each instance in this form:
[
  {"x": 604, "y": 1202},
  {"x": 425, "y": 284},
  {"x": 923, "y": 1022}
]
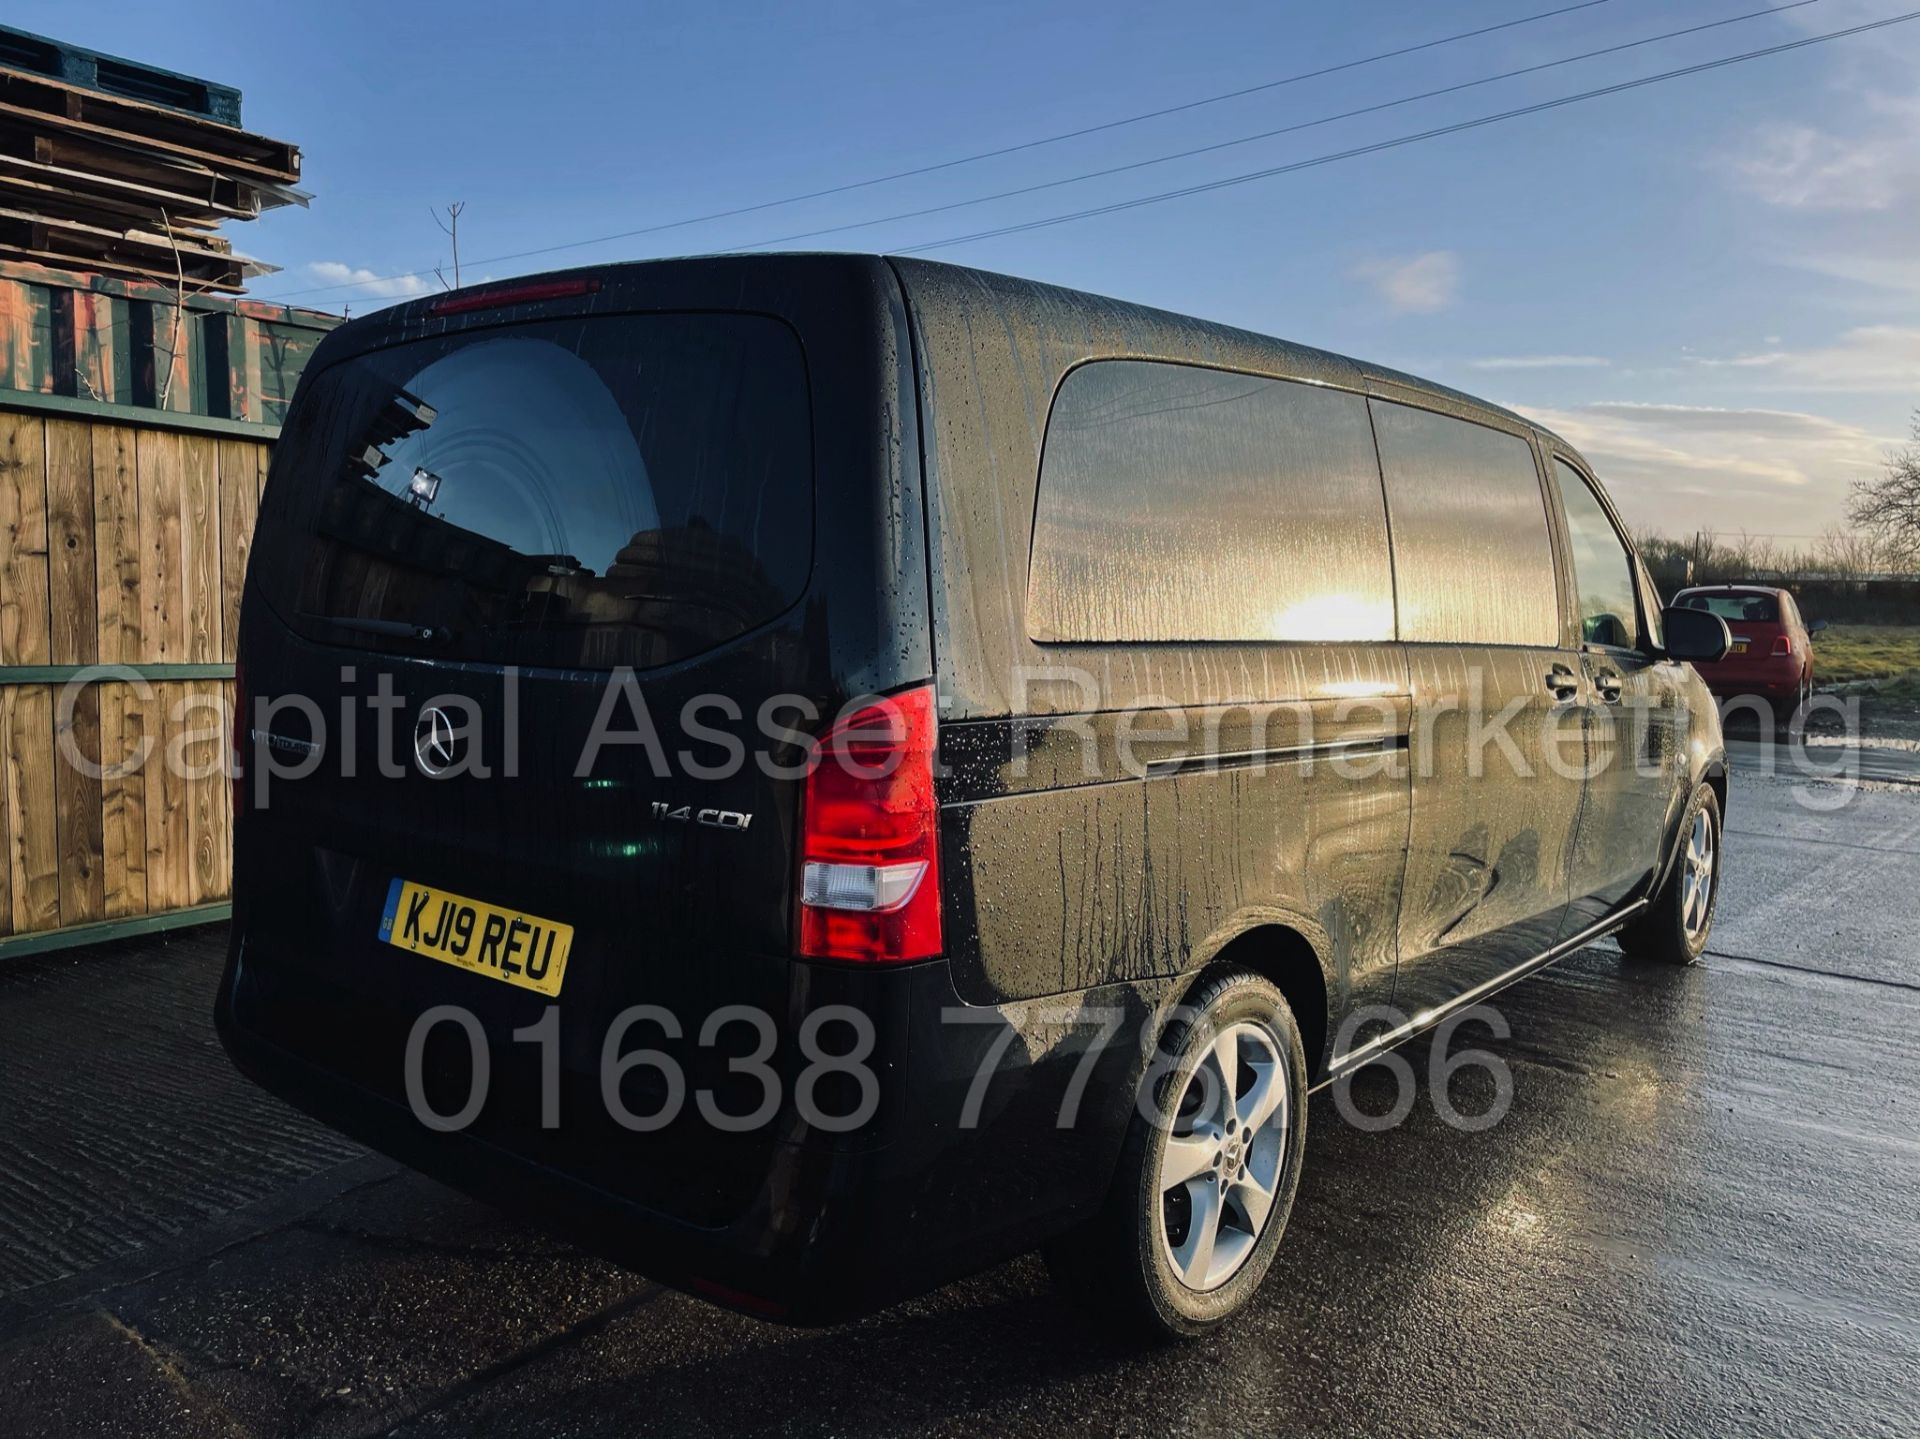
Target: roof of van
[
  {"x": 1142, "y": 322},
  {"x": 1146, "y": 327}
]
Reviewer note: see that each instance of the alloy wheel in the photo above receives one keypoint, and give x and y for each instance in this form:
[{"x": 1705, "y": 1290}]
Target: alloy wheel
[
  {"x": 1697, "y": 877},
  {"x": 1221, "y": 1162}
]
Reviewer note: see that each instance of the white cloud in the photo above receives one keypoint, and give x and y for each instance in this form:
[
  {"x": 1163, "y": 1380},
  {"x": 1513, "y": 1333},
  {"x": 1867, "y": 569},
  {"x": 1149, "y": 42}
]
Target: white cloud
[
  {"x": 332, "y": 272},
  {"x": 1888, "y": 260},
  {"x": 1835, "y": 14},
  {"x": 1540, "y": 362},
  {"x": 1871, "y": 358},
  {"x": 1679, "y": 468},
  {"x": 1802, "y": 168},
  {"x": 1844, "y": 190},
  {"x": 1873, "y": 164},
  {"x": 1417, "y": 284}
]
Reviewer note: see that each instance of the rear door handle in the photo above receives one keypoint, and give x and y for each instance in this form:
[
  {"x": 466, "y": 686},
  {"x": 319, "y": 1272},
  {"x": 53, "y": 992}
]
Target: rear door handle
[
  {"x": 1562, "y": 683},
  {"x": 1607, "y": 685}
]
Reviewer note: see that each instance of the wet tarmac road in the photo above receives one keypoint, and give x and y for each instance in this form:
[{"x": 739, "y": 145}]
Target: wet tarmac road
[{"x": 1698, "y": 1216}]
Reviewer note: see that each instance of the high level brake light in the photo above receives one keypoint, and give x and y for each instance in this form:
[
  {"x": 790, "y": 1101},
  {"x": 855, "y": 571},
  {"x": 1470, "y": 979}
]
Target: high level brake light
[
  {"x": 461, "y": 303},
  {"x": 870, "y": 863}
]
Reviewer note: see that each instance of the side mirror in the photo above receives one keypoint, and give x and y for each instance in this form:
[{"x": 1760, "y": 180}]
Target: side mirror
[
  {"x": 1699, "y": 636},
  {"x": 1816, "y": 627}
]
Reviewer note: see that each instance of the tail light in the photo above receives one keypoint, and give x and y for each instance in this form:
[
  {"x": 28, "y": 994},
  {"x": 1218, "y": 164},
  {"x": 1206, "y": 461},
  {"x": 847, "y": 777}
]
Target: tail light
[
  {"x": 236, "y": 764},
  {"x": 1782, "y": 646},
  {"x": 870, "y": 863}
]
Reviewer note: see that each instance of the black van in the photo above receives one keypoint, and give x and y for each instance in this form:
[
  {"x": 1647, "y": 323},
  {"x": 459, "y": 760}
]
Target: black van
[{"x": 817, "y": 773}]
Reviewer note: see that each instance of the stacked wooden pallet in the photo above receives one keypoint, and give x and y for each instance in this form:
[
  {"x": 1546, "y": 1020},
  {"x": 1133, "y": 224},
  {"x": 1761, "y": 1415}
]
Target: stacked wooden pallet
[{"x": 129, "y": 170}]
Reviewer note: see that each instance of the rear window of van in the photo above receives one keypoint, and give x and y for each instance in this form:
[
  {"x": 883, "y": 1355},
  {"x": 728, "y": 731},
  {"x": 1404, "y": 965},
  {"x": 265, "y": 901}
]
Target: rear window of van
[{"x": 613, "y": 490}]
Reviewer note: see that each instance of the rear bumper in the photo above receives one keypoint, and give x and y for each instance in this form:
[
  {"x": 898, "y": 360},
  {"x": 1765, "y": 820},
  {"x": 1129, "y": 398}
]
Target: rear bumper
[
  {"x": 750, "y": 1265},
  {"x": 1774, "y": 679},
  {"x": 834, "y": 1229}
]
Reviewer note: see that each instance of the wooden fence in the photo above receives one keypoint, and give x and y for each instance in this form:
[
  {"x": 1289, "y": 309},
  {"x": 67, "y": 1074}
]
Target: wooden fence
[
  {"x": 127, "y": 502},
  {"x": 125, "y": 546}
]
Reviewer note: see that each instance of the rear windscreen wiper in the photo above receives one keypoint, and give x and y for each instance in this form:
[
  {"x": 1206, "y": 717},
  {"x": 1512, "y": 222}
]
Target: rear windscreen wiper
[{"x": 393, "y": 629}]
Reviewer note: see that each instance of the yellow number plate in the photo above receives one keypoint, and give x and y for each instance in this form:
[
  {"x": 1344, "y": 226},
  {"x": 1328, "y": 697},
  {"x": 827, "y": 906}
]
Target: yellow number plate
[
  {"x": 1738, "y": 647},
  {"x": 521, "y": 949}
]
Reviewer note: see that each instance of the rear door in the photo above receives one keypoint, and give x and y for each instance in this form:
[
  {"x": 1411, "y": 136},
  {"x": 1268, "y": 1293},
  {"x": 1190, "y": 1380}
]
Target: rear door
[
  {"x": 545, "y": 592},
  {"x": 1630, "y": 707}
]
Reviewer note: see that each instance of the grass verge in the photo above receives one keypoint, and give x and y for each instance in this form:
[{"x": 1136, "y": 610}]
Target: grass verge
[{"x": 1868, "y": 652}]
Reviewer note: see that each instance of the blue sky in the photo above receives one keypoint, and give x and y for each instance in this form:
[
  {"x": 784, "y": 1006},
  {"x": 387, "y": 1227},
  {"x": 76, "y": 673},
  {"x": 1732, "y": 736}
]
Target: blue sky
[{"x": 1711, "y": 285}]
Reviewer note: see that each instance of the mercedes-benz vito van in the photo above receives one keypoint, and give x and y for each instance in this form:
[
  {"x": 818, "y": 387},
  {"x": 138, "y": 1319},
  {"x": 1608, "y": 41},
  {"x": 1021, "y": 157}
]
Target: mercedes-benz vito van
[{"x": 816, "y": 774}]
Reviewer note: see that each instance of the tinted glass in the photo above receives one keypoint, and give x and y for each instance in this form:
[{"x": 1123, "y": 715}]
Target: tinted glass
[
  {"x": 616, "y": 490},
  {"x": 1602, "y": 571},
  {"x": 1178, "y": 503},
  {"x": 1473, "y": 557},
  {"x": 1754, "y": 609}
]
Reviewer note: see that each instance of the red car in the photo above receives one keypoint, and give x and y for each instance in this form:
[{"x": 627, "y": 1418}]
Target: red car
[{"x": 1772, "y": 652}]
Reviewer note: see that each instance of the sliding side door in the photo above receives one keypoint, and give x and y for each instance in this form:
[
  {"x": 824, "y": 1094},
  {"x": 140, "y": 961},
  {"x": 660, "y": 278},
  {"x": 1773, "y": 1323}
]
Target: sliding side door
[{"x": 1496, "y": 745}]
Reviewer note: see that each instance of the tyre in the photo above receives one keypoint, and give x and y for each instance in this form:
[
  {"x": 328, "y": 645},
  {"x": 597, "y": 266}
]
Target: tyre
[
  {"x": 1674, "y": 928},
  {"x": 1207, "y": 1173}
]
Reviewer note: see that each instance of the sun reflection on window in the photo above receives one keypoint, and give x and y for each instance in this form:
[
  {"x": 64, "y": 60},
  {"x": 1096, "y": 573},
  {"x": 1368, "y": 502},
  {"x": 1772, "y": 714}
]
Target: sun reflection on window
[{"x": 1332, "y": 617}]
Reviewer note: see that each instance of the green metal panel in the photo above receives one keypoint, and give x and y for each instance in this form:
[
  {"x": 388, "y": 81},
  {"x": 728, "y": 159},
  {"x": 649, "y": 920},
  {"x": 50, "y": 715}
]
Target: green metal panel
[
  {"x": 19, "y": 946},
  {"x": 93, "y": 338},
  {"x": 112, "y": 674},
  {"x": 128, "y": 415},
  {"x": 103, "y": 346},
  {"x": 283, "y": 351},
  {"x": 26, "y": 340}
]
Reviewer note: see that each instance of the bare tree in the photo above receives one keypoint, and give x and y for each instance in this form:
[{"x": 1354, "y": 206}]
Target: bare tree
[
  {"x": 1889, "y": 508},
  {"x": 451, "y": 228},
  {"x": 1848, "y": 552},
  {"x": 179, "y": 313},
  {"x": 1708, "y": 558}
]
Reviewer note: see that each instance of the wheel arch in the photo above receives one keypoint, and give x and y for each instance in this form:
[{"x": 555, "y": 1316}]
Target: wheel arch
[
  {"x": 1713, "y": 774},
  {"x": 1280, "y": 949},
  {"x": 1715, "y": 777}
]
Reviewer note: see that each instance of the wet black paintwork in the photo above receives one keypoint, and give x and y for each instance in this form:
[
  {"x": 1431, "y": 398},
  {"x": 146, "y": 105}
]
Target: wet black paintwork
[
  {"x": 1412, "y": 883},
  {"x": 685, "y": 917},
  {"x": 1081, "y": 882}
]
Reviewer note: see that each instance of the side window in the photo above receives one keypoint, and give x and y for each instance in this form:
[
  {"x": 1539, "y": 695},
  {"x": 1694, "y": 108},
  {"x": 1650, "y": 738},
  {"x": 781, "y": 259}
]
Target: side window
[
  {"x": 1178, "y": 503},
  {"x": 1472, "y": 553},
  {"x": 1602, "y": 568}
]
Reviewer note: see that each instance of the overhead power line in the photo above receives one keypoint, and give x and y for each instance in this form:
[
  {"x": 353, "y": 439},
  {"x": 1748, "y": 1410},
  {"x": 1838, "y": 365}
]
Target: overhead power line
[
  {"x": 1294, "y": 128},
  {"x": 1399, "y": 141},
  {"x": 994, "y": 154}
]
